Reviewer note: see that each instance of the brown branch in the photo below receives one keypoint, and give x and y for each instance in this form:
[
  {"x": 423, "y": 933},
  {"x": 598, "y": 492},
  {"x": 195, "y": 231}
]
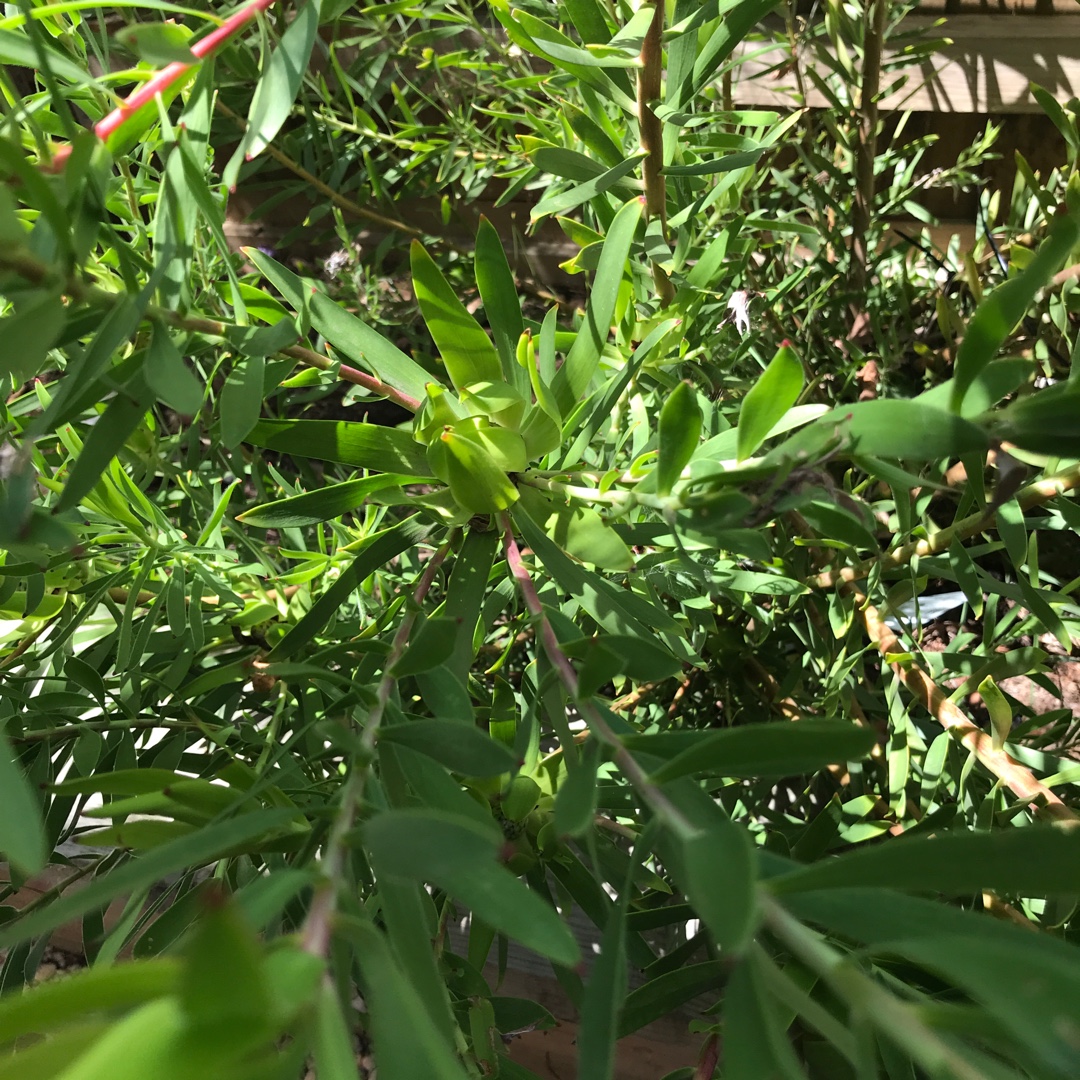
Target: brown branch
[
  {"x": 339, "y": 200},
  {"x": 1017, "y": 777},
  {"x": 651, "y": 134},
  {"x": 38, "y": 273},
  {"x": 866, "y": 152},
  {"x": 657, "y": 801},
  {"x": 1033, "y": 494}
]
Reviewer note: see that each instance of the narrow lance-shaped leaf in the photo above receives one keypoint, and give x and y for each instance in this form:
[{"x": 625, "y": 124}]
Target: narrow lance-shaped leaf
[
  {"x": 350, "y": 335},
  {"x": 465, "y": 349},
  {"x": 720, "y": 878},
  {"x": 1003, "y": 308},
  {"x": 22, "y": 833},
  {"x": 115, "y": 426},
  {"x": 680, "y": 428},
  {"x": 756, "y": 749},
  {"x": 1031, "y": 861},
  {"x": 322, "y": 504},
  {"x": 364, "y": 446},
  {"x": 460, "y": 857},
  {"x": 775, "y": 392},
  {"x": 241, "y": 400},
  {"x": 277, "y": 88},
  {"x": 495, "y": 280},
  {"x": 168, "y": 376},
  {"x": 584, "y": 356}
]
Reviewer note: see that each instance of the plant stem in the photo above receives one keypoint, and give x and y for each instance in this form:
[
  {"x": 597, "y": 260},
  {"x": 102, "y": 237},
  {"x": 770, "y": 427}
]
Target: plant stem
[
  {"x": 897, "y": 1019},
  {"x": 315, "y": 935},
  {"x": 1017, "y": 777},
  {"x": 1032, "y": 495},
  {"x": 651, "y": 133},
  {"x": 167, "y": 76},
  {"x": 39, "y": 273},
  {"x": 657, "y": 801},
  {"x": 320, "y": 186},
  {"x": 866, "y": 151}
]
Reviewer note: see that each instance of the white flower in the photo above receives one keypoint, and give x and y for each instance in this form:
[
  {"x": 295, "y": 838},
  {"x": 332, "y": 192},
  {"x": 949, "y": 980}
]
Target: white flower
[
  {"x": 739, "y": 306},
  {"x": 335, "y": 263}
]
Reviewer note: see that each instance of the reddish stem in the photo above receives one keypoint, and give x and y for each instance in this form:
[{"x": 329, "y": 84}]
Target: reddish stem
[{"x": 164, "y": 78}]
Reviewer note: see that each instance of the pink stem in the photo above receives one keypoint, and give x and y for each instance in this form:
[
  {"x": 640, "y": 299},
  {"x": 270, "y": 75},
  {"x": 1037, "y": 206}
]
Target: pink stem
[{"x": 164, "y": 78}]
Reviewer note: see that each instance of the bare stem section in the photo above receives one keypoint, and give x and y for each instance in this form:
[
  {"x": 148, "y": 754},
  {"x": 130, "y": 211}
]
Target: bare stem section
[
  {"x": 649, "y": 84},
  {"x": 657, "y": 801},
  {"x": 317, "y": 927},
  {"x": 1033, "y": 494},
  {"x": 1018, "y": 778},
  {"x": 33, "y": 270},
  {"x": 866, "y": 149}
]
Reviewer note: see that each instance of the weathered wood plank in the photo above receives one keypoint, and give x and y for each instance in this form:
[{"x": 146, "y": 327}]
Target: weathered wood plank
[{"x": 988, "y": 67}]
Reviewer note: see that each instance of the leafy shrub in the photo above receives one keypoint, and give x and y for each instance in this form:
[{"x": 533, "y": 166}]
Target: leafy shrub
[{"x": 617, "y": 621}]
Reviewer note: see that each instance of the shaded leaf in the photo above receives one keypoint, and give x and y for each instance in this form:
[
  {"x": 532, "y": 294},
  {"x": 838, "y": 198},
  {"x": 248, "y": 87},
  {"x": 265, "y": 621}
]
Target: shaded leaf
[{"x": 460, "y": 747}]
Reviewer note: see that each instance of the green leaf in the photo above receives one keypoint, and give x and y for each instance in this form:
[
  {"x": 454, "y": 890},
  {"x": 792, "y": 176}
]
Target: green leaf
[
  {"x": 584, "y": 192},
  {"x": 755, "y": 1043},
  {"x": 477, "y": 480},
  {"x": 465, "y": 349},
  {"x": 663, "y": 995},
  {"x": 724, "y": 164},
  {"x": 376, "y": 552},
  {"x": 737, "y": 22},
  {"x": 158, "y": 43},
  {"x": 774, "y": 393},
  {"x": 680, "y": 429},
  {"x": 574, "y": 376},
  {"x": 460, "y": 747},
  {"x": 57, "y": 1003},
  {"x": 1006, "y": 305},
  {"x": 579, "y": 531},
  {"x": 495, "y": 280},
  {"x": 278, "y": 85},
  {"x": 22, "y": 831},
  {"x": 1044, "y": 422},
  {"x": 974, "y": 951},
  {"x": 120, "y": 782},
  {"x": 1038, "y": 1008},
  {"x": 186, "y": 853},
  {"x": 458, "y": 856},
  {"x": 719, "y": 878},
  {"x": 639, "y": 658},
  {"x": 409, "y": 1042},
  {"x": 1032, "y": 861},
  {"x": 169, "y": 377},
  {"x": 335, "y": 1058},
  {"x": 887, "y": 428},
  {"x": 465, "y": 594},
  {"x": 156, "y": 1029},
  {"x": 778, "y": 749},
  {"x": 223, "y": 987},
  {"x": 575, "y": 801},
  {"x": 324, "y": 504},
  {"x": 28, "y": 334},
  {"x": 355, "y": 339},
  {"x": 113, "y": 429},
  {"x": 604, "y": 995},
  {"x": 617, "y": 610},
  {"x": 241, "y": 400},
  {"x": 262, "y": 340},
  {"x": 431, "y": 646},
  {"x": 1061, "y": 120},
  {"x": 364, "y": 446}
]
